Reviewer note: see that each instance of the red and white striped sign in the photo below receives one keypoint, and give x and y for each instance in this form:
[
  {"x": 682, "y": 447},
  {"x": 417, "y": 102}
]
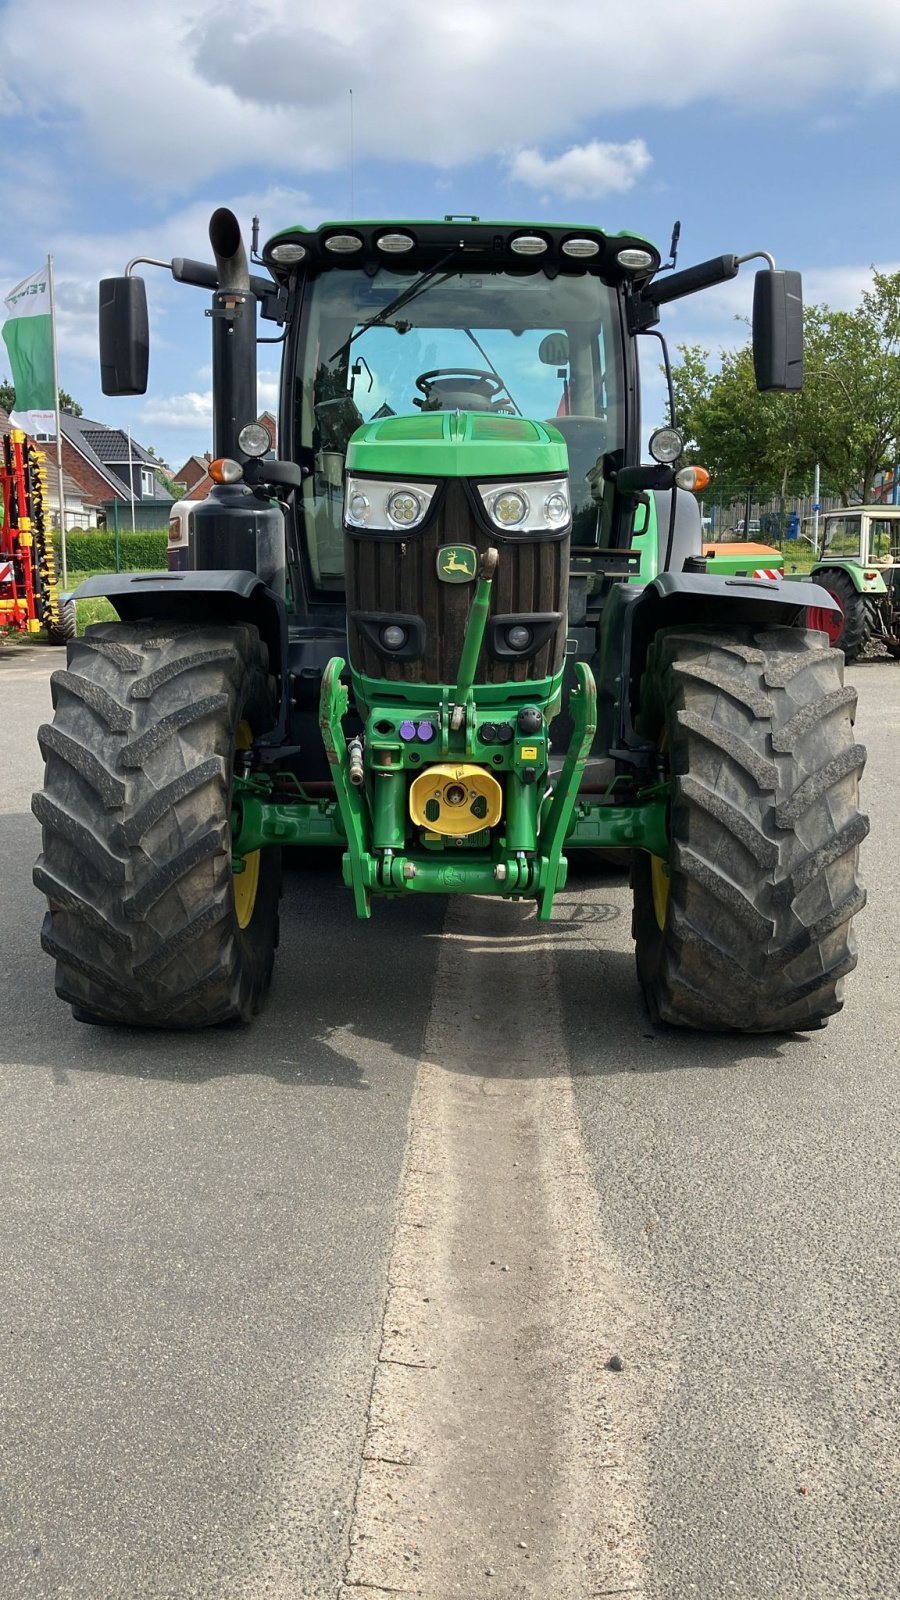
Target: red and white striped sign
[
  {"x": 6, "y": 572},
  {"x": 772, "y": 573}
]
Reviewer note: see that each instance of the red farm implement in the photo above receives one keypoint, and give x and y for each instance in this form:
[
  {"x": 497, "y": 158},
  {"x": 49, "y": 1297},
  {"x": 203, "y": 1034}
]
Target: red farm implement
[{"x": 29, "y": 595}]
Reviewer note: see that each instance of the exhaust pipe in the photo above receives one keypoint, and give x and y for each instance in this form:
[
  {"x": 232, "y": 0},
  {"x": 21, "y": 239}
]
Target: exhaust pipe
[
  {"x": 228, "y": 249},
  {"x": 234, "y": 336}
]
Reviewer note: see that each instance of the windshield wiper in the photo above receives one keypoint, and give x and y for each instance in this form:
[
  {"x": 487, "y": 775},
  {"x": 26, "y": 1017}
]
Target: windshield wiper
[
  {"x": 500, "y": 379},
  {"x": 411, "y": 292}
]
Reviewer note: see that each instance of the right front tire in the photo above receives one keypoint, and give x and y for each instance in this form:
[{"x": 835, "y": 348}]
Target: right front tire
[
  {"x": 747, "y": 928},
  {"x": 146, "y": 920}
]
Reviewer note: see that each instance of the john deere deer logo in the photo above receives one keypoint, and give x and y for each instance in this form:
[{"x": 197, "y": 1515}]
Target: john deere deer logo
[{"x": 457, "y": 563}]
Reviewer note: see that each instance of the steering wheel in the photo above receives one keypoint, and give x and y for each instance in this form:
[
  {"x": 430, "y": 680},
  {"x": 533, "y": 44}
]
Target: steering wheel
[{"x": 460, "y": 389}]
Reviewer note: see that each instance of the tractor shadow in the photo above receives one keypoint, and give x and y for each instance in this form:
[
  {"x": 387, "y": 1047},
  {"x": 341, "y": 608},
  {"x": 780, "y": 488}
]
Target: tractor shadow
[{"x": 351, "y": 1001}]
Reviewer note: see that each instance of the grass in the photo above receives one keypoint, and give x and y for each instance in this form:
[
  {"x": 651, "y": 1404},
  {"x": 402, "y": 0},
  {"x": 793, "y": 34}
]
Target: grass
[
  {"x": 88, "y": 611},
  {"x": 798, "y": 558}
]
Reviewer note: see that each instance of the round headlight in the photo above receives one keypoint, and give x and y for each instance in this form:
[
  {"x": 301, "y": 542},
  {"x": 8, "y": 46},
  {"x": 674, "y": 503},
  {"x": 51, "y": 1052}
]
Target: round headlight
[
  {"x": 528, "y": 244},
  {"x": 395, "y": 243},
  {"x": 556, "y": 507},
  {"x": 404, "y": 507},
  {"x": 254, "y": 439},
  {"x": 581, "y": 248},
  {"x": 666, "y": 444},
  {"x": 287, "y": 254},
  {"x": 519, "y": 637},
  {"x": 509, "y": 509},
  {"x": 358, "y": 507},
  {"x": 634, "y": 260},
  {"x": 393, "y": 637},
  {"x": 343, "y": 244}
]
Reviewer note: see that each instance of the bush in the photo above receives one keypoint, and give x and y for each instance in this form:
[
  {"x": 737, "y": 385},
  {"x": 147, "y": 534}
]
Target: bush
[{"x": 96, "y": 552}]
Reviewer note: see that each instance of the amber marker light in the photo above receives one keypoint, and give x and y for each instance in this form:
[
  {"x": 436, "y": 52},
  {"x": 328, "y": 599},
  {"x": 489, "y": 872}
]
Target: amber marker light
[
  {"x": 692, "y": 478},
  {"x": 224, "y": 470}
]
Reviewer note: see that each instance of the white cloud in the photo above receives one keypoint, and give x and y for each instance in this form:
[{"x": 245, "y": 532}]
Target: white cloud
[
  {"x": 189, "y": 411},
  {"x": 583, "y": 172},
  {"x": 193, "y": 409},
  {"x": 270, "y": 80}
]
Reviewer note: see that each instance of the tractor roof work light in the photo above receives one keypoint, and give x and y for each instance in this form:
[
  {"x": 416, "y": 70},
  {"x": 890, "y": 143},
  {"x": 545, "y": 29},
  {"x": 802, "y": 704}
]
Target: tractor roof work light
[
  {"x": 395, "y": 244},
  {"x": 343, "y": 244},
  {"x": 635, "y": 260},
  {"x": 528, "y": 244},
  {"x": 288, "y": 254},
  {"x": 580, "y": 249}
]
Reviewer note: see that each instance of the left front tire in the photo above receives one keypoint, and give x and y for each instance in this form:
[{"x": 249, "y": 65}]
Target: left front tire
[{"x": 146, "y": 920}]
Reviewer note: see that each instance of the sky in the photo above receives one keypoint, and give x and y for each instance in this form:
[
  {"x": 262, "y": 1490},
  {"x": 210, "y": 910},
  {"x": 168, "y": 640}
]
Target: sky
[{"x": 771, "y": 125}]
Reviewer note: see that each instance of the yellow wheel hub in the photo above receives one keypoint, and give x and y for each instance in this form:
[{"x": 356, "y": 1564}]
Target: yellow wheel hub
[
  {"x": 659, "y": 883},
  {"x": 245, "y": 884}
]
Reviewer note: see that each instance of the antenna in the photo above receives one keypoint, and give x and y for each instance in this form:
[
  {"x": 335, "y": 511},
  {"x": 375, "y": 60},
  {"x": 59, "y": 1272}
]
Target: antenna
[
  {"x": 352, "y": 198},
  {"x": 254, "y": 240},
  {"x": 673, "y": 249}
]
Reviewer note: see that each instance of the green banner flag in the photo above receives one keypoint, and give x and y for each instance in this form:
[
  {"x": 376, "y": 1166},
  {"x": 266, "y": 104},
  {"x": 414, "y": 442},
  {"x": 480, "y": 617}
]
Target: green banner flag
[{"x": 28, "y": 336}]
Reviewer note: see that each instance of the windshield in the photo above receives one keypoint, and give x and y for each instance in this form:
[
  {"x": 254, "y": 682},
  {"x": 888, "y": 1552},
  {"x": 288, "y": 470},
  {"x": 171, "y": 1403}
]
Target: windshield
[
  {"x": 842, "y": 535},
  {"x": 512, "y": 343},
  {"x": 884, "y": 539}
]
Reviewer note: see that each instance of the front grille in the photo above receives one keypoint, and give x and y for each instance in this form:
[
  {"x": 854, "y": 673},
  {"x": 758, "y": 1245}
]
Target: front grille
[{"x": 398, "y": 577}]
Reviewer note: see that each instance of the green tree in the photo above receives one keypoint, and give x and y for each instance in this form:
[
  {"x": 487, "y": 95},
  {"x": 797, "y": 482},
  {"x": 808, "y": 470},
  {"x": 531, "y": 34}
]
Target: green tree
[
  {"x": 8, "y": 399},
  {"x": 847, "y": 417},
  {"x": 745, "y": 439}
]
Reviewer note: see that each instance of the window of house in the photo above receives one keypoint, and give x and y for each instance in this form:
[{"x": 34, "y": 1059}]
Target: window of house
[{"x": 148, "y": 482}]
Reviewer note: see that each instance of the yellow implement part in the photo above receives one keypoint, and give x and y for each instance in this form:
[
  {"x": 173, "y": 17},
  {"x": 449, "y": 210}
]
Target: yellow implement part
[{"x": 455, "y": 801}]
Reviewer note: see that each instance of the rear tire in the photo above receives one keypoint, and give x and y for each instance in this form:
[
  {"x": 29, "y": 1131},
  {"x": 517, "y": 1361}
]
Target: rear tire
[
  {"x": 142, "y": 918},
  {"x": 63, "y": 628},
  {"x": 750, "y": 930},
  {"x": 856, "y": 627}
]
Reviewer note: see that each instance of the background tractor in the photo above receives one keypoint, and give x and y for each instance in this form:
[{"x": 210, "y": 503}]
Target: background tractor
[
  {"x": 454, "y": 632},
  {"x": 860, "y": 569}
]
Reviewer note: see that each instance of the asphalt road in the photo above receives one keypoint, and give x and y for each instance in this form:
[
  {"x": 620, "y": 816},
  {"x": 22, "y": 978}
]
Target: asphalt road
[{"x": 197, "y": 1236}]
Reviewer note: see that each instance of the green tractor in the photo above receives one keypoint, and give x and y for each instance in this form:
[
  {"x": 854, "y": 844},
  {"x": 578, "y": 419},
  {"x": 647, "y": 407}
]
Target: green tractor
[
  {"x": 454, "y": 632},
  {"x": 860, "y": 569}
]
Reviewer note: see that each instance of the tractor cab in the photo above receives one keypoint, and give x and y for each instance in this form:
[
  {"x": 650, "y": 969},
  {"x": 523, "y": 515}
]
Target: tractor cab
[
  {"x": 462, "y": 317},
  {"x": 869, "y": 535}
]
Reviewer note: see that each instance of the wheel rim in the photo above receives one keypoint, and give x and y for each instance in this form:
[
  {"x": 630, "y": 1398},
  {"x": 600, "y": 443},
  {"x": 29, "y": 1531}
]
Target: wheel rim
[
  {"x": 659, "y": 883},
  {"x": 821, "y": 620},
  {"x": 245, "y": 884}
]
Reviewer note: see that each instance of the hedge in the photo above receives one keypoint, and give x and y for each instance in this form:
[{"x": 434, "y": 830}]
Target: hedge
[{"x": 96, "y": 552}]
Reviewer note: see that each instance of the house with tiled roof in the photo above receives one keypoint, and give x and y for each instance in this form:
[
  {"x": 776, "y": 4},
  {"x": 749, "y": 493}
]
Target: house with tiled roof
[
  {"x": 117, "y": 476},
  {"x": 192, "y": 472}
]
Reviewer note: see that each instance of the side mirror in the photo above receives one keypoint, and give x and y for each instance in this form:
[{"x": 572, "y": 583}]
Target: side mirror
[
  {"x": 638, "y": 480},
  {"x": 124, "y": 336},
  {"x": 778, "y": 331},
  {"x": 264, "y": 470}
]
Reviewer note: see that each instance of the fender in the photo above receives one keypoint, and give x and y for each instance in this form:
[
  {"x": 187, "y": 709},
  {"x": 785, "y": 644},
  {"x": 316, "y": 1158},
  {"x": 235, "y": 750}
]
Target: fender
[
  {"x": 221, "y": 595},
  {"x": 633, "y": 615}
]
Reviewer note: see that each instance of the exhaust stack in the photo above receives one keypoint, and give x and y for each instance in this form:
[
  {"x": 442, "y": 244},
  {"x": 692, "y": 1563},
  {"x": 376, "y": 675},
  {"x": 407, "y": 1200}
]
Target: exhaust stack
[{"x": 234, "y": 336}]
